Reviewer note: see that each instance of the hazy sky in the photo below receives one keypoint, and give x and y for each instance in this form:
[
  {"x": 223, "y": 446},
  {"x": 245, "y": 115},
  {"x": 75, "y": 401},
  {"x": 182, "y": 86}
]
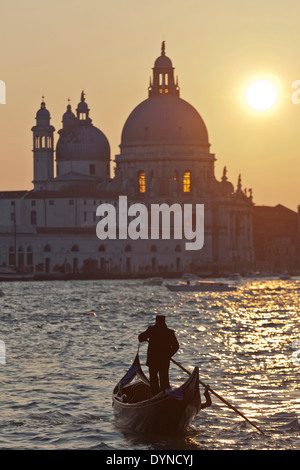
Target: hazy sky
[{"x": 108, "y": 49}]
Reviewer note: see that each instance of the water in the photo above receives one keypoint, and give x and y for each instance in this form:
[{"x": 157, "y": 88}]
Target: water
[{"x": 68, "y": 343}]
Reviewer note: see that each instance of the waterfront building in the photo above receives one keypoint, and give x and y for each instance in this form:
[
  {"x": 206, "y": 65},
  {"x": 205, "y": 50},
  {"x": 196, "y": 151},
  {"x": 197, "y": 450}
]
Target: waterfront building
[{"x": 165, "y": 158}]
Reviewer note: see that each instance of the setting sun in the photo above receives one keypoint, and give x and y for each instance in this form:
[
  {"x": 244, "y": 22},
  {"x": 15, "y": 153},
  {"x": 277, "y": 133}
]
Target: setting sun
[{"x": 261, "y": 95}]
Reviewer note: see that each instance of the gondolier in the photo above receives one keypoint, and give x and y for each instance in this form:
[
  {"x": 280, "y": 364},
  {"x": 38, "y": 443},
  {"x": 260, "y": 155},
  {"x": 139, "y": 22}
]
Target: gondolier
[{"x": 162, "y": 346}]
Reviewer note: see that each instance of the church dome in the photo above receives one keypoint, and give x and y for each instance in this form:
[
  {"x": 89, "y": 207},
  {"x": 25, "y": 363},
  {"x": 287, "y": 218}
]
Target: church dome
[
  {"x": 68, "y": 115},
  {"x": 163, "y": 62},
  {"x": 79, "y": 139},
  {"x": 164, "y": 118},
  {"x": 43, "y": 115},
  {"x": 83, "y": 143}
]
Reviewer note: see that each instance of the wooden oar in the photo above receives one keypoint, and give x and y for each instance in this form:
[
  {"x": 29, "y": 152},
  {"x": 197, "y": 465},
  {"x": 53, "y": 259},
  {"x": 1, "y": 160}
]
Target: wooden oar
[{"x": 220, "y": 398}]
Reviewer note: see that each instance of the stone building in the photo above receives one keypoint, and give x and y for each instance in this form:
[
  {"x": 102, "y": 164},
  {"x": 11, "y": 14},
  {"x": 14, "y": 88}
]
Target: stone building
[{"x": 277, "y": 239}]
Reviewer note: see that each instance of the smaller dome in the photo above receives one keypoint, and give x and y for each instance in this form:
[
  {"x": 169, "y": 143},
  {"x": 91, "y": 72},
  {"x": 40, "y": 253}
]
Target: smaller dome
[
  {"x": 163, "y": 62},
  {"x": 83, "y": 143},
  {"x": 68, "y": 115},
  {"x": 82, "y": 105},
  {"x": 43, "y": 113}
]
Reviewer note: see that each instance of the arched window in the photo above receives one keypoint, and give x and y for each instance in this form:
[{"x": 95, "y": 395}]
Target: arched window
[
  {"x": 101, "y": 248},
  {"x": 11, "y": 256},
  {"x": 153, "y": 248},
  {"x": 141, "y": 181},
  {"x": 33, "y": 217},
  {"x": 127, "y": 248},
  {"x": 29, "y": 256},
  {"x": 47, "y": 248},
  {"x": 20, "y": 257},
  {"x": 187, "y": 182},
  {"x": 75, "y": 248}
]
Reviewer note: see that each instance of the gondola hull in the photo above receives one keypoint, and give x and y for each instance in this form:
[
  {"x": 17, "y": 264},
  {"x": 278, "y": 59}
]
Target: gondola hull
[
  {"x": 161, "y": 414},
  {"x": 201, "y": 287}
]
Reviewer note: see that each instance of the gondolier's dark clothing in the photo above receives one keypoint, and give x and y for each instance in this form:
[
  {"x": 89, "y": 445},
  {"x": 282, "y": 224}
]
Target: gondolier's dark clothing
[{"x": 162, "y": 346}]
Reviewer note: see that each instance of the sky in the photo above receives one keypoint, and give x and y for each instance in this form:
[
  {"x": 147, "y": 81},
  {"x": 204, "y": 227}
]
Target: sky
[{"x": 108, "y": 49}]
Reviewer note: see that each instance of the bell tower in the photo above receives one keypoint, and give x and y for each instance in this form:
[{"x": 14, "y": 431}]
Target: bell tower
[{"x": 43, "y": 150}]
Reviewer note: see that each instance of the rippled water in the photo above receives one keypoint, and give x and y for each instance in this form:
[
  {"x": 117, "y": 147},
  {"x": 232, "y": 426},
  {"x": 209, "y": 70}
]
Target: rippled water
[{"x": 68, "y": 343}]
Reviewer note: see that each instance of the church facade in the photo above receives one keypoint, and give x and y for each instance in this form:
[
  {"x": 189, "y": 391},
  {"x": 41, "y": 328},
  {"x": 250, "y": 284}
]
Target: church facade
[{"x": 164, "y": 158}]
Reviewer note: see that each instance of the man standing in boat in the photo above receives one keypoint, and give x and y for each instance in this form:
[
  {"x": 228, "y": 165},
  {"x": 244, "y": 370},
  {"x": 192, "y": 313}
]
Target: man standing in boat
[{"x": 162, "y": 346}]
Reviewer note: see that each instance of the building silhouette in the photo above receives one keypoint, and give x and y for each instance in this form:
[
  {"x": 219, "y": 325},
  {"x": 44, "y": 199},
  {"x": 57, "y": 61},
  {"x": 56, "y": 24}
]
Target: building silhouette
[
  {"x": 165, "y": 157},
  {"x": 276, "y": 239}
]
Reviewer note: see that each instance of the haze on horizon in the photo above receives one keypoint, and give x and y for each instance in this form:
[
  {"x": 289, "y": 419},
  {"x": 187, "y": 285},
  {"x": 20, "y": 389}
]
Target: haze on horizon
[{"x": 59, "y": 48}]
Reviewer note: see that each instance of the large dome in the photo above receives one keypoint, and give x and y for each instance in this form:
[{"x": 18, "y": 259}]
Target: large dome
[
  {"x": 83, "y": 143},
  {"x": 164, "y": 119}
]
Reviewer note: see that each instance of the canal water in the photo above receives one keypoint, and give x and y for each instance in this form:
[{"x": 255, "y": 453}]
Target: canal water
[{"x": 65, "y": 344}]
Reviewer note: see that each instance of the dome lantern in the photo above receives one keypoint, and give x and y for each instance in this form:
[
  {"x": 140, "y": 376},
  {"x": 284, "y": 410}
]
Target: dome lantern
[
  {"x": 68, "y": 119},
  {"x": 163, "y": 76},
  {"x": 83, "y": 110}
]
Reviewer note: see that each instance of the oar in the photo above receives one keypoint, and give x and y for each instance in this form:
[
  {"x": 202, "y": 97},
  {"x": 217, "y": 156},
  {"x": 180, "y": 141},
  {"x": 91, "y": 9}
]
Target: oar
[{"x": 220, "y": 398}]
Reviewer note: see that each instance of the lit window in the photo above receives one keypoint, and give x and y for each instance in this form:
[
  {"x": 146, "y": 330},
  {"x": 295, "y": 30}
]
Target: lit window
[
  {"x": 141, "y": 182},
  {"x": 187, "y": 182}
]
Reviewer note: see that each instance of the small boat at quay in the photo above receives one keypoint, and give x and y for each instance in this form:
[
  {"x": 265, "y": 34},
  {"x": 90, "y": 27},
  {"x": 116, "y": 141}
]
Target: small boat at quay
[
  {"x": 154, "y": 281},
  {"x": 9, "y": 274},
  {"x": 201, "y": 286},
  {"x": 168, "y": 412}
]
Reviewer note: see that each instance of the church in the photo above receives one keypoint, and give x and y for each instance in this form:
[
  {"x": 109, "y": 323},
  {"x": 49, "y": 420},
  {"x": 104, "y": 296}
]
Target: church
[{"x": 165, "y": 158}]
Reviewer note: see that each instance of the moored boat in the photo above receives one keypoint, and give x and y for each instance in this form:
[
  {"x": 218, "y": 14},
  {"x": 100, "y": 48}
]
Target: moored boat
[
  {"x": 201, "y": 286},
  {"x": 285, "y": 276},
  {"x": 154, "y": 281},
  {"x": 168, "y": 412},
  {"x": 10, "y": 274}
]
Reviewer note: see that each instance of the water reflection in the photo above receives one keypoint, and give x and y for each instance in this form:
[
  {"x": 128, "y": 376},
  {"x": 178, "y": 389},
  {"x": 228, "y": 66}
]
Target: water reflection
[{"x": 62, "y": 362}]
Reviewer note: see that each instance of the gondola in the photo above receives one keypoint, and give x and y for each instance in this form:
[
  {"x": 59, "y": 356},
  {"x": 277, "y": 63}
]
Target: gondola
[
  {"x": 201, "y": 286},
  {"x": 168, "y": 412}
]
